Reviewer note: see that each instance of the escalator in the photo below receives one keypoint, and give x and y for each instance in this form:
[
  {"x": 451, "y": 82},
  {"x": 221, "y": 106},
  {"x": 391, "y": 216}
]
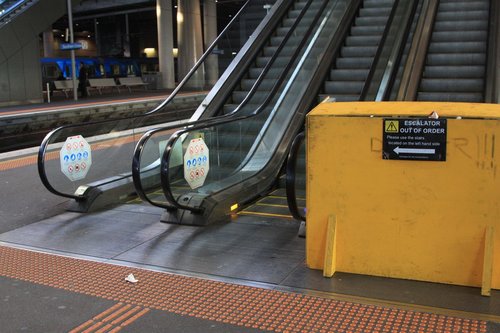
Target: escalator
[
  {"x": 454, "y": 57},
  {"x": 248, "y": 149},
  {"x": 456, "y": 60},
  {"x": 108, "y": 179},
  {"x": 350, "y": 72},
  {"x": 345, "y": 82}
]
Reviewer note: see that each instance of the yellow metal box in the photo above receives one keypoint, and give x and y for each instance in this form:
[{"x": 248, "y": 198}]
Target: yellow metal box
[{"x": 413, "y": 219}]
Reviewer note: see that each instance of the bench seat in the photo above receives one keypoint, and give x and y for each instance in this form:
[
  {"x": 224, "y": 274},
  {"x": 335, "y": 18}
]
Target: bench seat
[
  {"x": 133, "y": 81},
  {"x": 104, "y": 83}
]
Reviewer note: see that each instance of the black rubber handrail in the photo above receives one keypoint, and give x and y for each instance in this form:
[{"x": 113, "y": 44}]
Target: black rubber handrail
[
  {"x": 43, "y": 146},
  {"x": 378, "y": 53},
  {"x": 291, "y": 172},
  {"x": 173, "y": 139},
  {"x": 136, "y": 164}
]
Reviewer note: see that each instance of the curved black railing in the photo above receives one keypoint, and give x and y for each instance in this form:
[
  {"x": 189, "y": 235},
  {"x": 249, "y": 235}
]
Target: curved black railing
[
  {"x": 136, "y": 167},
  {"x": 167, "y": 190},
  {"x": 291, "y": 172},
  {"x": 97, "y": 124}
]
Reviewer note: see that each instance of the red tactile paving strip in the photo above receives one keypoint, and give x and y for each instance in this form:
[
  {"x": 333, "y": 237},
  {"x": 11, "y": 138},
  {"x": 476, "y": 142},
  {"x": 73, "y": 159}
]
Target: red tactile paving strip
[{"x": 223, "y": 302}]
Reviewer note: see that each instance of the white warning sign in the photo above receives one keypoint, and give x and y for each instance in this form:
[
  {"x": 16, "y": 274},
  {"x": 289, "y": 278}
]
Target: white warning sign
[
  {"x": 75, "y": 157},
  {"x": 196, "y": 163}
]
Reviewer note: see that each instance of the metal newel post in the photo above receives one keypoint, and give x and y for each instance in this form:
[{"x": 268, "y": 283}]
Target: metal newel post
[{"x": 72, "y": 40}]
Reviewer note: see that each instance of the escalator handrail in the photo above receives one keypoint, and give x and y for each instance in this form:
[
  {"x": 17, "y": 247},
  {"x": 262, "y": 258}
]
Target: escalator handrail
[
  {"x": 415, "y": 62},
  {"x": 173, "y": 139},
  {"x": 48, "y": 138},
  {"x": 291, "y": 168},
  {"x": 378, "y": 53},
  {"x": 136, "y": 163}
]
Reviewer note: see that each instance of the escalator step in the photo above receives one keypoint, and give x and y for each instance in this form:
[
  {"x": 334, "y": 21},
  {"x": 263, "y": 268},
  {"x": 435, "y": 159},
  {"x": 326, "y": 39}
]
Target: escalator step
[
  {"x": 461, "y": 25},
  {"x": 458, "y": 36},
  {"x": 370, "y": 21},
  {"x": 377, "y": 3},
  {"x": 457, "y": 47},
  {"x": 367, "y": 30},
  {"x": 339, "y": 97},
  {"x": 354, "y": 63},
  {"x": 348, "y": 74},
  {"x": 462, "y": 16},
  {"x": 375, "y": 11},
  {"x": 344, "y": 87},
  {"x": 452, "y": 85},
  {"x": 358, "y": 51},
  {"x": 445, "y": 6},
  {"x": 450, "y": 97},
  {"x": 454, "y": 72},
  {"x": 362, "y": 40},
  {"x": 456, "y": 59}
]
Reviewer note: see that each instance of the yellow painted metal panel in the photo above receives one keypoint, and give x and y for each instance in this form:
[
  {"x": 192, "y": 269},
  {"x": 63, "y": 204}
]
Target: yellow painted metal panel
[
  {"x": 488, "y": 260},
  {"x": 330, "y": 251},
  {"x": 417, "y": 220}
]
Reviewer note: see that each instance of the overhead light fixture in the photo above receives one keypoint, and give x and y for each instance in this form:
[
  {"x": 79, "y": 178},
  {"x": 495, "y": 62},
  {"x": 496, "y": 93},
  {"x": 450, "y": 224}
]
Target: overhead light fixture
[{"x": 150, "y": 52}]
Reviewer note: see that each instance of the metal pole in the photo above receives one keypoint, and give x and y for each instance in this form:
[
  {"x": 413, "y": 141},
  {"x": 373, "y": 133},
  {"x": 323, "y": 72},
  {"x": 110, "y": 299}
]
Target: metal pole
[
  {"x": 72, "y": 40},
  {"x": 48, "y": 92},
  {"x": 96, "y": 33}
]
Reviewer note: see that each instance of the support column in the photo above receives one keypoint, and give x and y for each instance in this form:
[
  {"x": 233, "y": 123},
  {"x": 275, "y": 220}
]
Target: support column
[
  {"x": 165, "y": 43},
  {"x": 97, "y": 38},
  {"x": 210, "y": 29},
  {"x": 48, "y": 43},
  {"x": 190, "y": 40},
  {"x": 126, "y": 44}
]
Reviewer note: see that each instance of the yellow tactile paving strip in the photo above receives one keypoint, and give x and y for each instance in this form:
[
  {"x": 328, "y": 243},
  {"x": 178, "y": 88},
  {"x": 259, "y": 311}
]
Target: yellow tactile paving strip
[{"x": 222, "y": 302}]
